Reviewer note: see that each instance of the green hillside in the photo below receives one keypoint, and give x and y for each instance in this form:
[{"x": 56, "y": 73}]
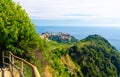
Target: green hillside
[
  {"x": 93, "y": 56},
  {"x": 96, "y": 57}
]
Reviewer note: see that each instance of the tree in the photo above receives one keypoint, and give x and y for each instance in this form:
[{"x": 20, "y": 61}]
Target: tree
[{"x": 17, "y": 32}]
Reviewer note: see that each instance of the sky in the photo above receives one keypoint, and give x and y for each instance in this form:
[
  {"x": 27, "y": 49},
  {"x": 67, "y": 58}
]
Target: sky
[{"x": 73, "y": 12}]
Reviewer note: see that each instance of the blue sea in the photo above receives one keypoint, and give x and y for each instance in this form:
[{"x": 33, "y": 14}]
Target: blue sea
[{"x": 110, "y": 33}]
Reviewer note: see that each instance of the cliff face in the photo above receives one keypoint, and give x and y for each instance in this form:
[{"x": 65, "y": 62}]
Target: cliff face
[{"x": 59, "y": 37}]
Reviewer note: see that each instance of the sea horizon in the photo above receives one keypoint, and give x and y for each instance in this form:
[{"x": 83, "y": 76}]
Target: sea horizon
[{"x": 81, "y": 32}]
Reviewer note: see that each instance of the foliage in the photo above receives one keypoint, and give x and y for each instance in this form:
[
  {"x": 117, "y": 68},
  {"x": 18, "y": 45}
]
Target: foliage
[
  {"x": 96, "y": 57},
  {"x": 17, "y": 32},
  {"x": 61, "y": 69},
  {"x": 93, "y": 56}
]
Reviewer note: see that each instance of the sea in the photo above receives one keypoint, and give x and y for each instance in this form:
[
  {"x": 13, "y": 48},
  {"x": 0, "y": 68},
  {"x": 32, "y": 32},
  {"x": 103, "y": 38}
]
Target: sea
[{"x": 112, "y": 34}]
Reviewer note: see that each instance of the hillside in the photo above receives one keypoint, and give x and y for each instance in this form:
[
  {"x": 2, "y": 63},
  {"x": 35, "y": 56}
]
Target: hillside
[
  {"x": 96, "y": 57},
  {"x": 93, "y": 56}
]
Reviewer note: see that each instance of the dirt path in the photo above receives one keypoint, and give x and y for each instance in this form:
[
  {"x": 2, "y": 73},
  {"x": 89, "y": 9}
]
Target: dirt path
[{"x": 4, "y": 72}]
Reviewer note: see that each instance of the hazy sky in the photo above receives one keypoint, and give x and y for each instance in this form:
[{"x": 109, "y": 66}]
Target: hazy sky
[{"x": 73, "y": 12}]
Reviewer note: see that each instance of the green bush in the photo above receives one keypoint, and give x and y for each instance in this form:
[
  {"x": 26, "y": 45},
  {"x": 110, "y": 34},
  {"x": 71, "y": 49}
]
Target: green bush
[{"x": 17, "y": 32}]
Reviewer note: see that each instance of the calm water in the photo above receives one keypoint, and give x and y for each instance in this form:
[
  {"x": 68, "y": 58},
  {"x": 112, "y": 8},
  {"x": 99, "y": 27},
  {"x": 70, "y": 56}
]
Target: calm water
[{"x": 110, "y": 33}]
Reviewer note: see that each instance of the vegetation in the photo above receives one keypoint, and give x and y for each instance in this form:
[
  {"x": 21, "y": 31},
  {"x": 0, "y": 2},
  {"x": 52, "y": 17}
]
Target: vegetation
[
  {"x": 96, "y": 57},
  {"x": 17, "y": 32},
  {"x": 93, "y": 56}
]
